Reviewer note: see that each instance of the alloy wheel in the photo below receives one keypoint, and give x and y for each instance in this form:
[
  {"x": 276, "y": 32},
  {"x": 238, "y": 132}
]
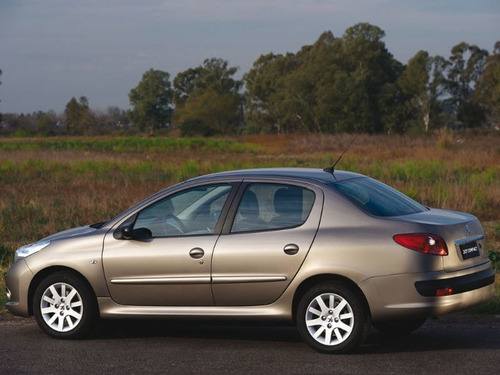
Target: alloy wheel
[
  {"x": 61, "y": 307},
  {"x": 329, "y": 319}
]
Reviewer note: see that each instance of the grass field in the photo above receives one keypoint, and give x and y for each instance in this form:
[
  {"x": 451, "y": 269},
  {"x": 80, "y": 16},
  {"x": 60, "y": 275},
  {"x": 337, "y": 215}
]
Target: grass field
[{"x": 51, "y": 184}]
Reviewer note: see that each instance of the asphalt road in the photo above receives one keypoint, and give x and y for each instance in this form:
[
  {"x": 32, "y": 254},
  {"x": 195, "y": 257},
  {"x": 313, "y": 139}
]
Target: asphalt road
[{"x": 451, "y": 345}]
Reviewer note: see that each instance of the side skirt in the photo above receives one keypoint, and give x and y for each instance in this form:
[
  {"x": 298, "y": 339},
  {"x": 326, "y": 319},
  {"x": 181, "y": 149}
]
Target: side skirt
[{"x": 109, "y": 309}]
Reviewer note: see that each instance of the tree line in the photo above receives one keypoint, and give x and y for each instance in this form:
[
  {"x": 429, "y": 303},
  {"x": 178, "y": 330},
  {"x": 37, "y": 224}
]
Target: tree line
[{"x": 350, "y": 83}]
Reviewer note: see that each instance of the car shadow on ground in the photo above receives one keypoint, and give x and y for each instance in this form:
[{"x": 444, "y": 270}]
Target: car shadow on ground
[
  {"x": 206, "y": 329},
  {"x": 433, "y": 336}
]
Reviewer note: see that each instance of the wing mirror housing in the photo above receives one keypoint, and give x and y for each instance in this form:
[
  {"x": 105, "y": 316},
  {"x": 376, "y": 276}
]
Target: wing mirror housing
[{"x": 127, "y": 232}]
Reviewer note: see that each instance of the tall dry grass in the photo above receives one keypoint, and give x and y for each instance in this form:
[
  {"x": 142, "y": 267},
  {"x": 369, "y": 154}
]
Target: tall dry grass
[
  {"x": 74, "y": 182},
  {"x": 47, "y": 185}
]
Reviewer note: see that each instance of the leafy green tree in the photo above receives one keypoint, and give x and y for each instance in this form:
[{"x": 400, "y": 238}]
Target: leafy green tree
[
  {"x": 116, "y": 118},
  {"x": 422, "y": 87},
  {"x": 0, "y": 100},
  {"x": 437, "y": 91},
  {"x": 371, "y": 68},
  {"x": 265, "y": 89},
  {"x": 151, "y": 101},
  {"x": 47, "y": 124},
  {"x": 210, "y": 94},
  {"x": 464, "y": 69},
  {"x": 196, "y": 128},
  {"x": 414, "y": 83},
  {"x": 335, "y": 85},
  {"x": 488, "y": 89},
  {"x": 79, "y": 118}
]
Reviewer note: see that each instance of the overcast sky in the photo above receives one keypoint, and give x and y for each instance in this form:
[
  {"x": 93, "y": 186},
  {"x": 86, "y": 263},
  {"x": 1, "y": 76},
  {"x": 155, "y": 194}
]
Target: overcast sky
[{"x": 53, "y": 50}]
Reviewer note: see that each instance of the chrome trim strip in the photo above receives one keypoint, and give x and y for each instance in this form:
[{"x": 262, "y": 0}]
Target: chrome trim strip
[
  {"x": 463, "y": 241},
  {"x": 162, "y": 280},
  {"x": 247, "y": 279}
]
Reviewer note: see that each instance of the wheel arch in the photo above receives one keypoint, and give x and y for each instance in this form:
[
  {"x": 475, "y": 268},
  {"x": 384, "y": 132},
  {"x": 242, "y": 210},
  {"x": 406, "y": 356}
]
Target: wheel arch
[
  {"x": 37, "y": 279},
  {"x": 317, "y": 279}
]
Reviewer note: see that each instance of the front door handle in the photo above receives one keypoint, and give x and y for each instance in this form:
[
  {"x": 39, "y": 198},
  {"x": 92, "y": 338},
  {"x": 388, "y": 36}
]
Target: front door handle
[
  {"x": 196, "y": 253},
  {"x": 291, "y": 249}
]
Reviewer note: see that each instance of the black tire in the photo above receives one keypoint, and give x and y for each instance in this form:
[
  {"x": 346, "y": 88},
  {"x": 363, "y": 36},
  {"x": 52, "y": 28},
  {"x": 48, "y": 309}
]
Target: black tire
[
  {"x": 59, "y": 316},
  {"x": 339, "y": 324},
  {"x": 399, "y": 326}
]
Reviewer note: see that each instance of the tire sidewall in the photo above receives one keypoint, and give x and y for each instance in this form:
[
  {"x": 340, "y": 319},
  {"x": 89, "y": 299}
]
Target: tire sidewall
[
  {"x": 88, "y": 300},
  {"x": 361, "y": 317}
]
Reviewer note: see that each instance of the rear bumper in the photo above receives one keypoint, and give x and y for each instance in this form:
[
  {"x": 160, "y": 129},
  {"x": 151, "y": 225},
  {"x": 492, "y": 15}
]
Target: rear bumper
[
  {"x": 460, "y": 284},
  {"x": 414, "y": 295}
]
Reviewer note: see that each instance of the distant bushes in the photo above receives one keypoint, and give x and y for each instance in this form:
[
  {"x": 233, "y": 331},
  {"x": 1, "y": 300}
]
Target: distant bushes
[{"x": 126, "y": 144}]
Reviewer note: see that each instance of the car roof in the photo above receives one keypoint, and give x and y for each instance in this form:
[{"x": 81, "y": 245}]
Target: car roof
[{"x": 315, "y": 174}]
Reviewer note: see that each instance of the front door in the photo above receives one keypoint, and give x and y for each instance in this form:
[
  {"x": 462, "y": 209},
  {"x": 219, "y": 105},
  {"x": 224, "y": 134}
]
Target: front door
[{"x": 168, "y": 262}]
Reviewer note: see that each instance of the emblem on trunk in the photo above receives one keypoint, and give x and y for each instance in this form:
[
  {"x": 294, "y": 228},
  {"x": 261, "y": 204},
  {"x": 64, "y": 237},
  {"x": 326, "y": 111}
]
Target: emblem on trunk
[{"x": 467, "y": 229}]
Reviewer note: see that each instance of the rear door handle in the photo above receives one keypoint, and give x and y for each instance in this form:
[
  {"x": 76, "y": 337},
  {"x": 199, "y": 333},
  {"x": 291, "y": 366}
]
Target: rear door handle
[
  {"x": 291, "y": 249},
  {"x": 196, "y": 253}
]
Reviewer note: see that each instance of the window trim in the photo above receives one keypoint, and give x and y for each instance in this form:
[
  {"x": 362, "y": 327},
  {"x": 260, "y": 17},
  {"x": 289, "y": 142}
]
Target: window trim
[
  {"x": 234, "y": 188},
  {"x": 228, "y": 224}
]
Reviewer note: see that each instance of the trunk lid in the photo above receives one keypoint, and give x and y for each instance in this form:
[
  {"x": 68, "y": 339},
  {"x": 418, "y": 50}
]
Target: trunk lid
[{"x": 462, "y": 232}]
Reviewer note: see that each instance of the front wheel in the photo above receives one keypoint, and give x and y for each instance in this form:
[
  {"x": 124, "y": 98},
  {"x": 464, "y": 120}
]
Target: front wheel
[
  {"x": 64, "y": 306},
  {"x": 332, "y": 318}
]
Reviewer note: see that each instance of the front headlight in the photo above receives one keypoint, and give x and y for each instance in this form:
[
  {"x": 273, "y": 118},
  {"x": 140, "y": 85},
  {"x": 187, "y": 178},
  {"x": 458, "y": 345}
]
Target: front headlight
[{"x": 27, "y": 250}]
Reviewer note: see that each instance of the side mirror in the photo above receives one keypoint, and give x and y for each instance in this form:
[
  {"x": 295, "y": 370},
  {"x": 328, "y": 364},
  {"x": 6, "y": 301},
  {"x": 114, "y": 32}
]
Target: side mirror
[
  {"x": 127, "y": 232},
  {"x": 124, "y": 232},
  {"x": 141, "y": 234}
]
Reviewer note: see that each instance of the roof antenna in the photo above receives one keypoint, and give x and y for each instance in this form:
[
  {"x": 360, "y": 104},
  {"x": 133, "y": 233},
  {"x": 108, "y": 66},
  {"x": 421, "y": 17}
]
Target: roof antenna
[{"x": 332, "y": 168}]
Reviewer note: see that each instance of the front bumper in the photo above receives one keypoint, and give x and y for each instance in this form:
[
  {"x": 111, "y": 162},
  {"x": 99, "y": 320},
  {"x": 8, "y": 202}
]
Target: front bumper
[
  {"x": 414, "y": 295},
  {"x": 18, "y": 280}
]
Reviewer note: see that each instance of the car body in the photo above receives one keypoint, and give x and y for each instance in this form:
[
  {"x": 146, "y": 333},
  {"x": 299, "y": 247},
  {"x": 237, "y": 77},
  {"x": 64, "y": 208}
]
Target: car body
[{"x": 333, "y": 251}]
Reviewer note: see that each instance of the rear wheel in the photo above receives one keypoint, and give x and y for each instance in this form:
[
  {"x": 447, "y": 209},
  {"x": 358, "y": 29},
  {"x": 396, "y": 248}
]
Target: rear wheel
[
  {"x": 64, "y": 306},
  {"x": 399, "y": 326},
  {"x": 332, "y": 318}
]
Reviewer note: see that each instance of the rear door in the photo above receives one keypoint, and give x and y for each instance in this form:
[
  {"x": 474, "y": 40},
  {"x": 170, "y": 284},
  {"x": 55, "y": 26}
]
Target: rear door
[{"x": 267, "y": 237}]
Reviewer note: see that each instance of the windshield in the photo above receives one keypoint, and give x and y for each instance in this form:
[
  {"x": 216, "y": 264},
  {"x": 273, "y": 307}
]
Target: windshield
[{"x": 376, "y": 198}]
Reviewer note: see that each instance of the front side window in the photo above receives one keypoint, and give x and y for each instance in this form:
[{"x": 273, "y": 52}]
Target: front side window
[
  {"x": 190, "y": 212},
  {"x": 272, "y": 206},
  {"x": 376, "y": 198}
]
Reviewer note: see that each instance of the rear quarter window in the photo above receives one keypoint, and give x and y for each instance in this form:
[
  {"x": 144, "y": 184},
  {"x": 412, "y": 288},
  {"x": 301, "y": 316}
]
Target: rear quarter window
[{"x": 376, "y": 198}]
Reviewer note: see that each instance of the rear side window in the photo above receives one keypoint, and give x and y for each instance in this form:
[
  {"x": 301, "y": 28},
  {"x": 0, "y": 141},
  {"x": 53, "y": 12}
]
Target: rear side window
[
  {"x": 377, "y": 198},
  {"x": 272, "y": 206}
]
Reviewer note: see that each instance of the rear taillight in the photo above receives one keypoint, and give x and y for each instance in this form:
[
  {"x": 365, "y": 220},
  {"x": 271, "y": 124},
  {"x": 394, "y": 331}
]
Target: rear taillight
[{"x": 422, "y": 242}]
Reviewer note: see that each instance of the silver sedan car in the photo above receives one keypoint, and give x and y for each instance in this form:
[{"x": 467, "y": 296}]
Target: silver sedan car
[{"x": 334, "y": 252}]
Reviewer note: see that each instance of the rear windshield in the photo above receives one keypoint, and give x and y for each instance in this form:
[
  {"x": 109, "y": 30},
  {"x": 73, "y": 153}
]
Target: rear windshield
[{"x": 377, "y": 198}]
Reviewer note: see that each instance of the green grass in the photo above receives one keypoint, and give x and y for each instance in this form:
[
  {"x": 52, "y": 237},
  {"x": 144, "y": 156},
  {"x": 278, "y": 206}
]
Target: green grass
[
  {"x": 126, "y": 144},
  {"x": 5, "y": 261},
  {"x": 491, "y": 307},
  {"x": 3, "y": 297}
]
